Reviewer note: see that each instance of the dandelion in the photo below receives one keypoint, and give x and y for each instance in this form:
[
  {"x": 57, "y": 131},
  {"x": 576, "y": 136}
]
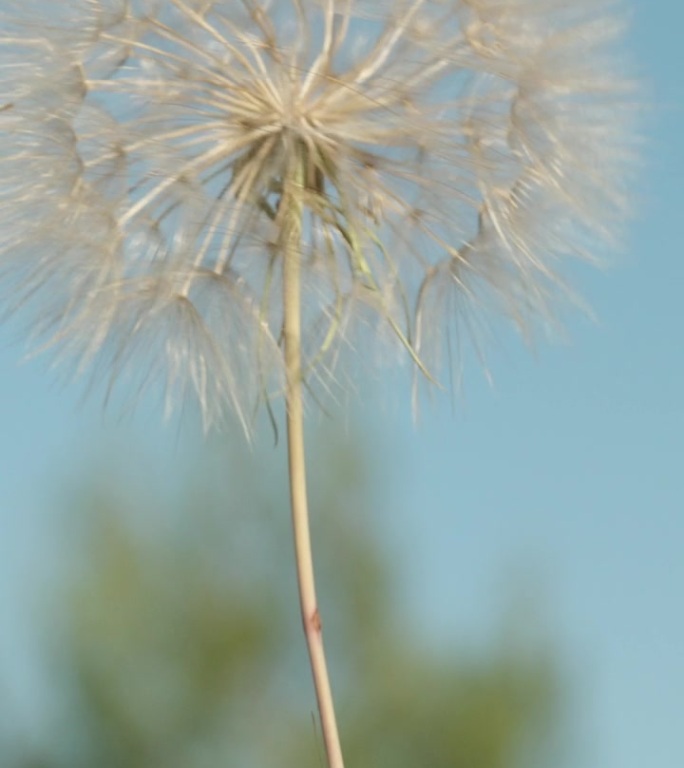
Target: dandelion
[{"x": 233, "y": 197}]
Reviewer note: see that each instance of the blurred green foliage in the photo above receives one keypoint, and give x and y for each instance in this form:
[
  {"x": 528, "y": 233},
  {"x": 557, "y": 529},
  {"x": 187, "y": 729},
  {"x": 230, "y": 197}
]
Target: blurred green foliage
[{"x": 177, "y": 639}]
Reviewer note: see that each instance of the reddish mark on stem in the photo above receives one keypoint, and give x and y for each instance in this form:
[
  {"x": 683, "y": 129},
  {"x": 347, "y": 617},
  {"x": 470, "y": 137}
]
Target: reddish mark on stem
[{"x": 315, "y": 621}]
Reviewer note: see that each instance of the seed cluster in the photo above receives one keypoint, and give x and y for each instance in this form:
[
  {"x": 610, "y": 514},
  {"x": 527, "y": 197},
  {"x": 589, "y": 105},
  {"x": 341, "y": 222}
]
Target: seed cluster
[{"x": 441, "y": 158}]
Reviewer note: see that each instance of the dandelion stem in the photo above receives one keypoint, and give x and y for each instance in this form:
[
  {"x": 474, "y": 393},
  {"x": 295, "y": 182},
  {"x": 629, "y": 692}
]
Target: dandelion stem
[{"x": 291, "y": 224}]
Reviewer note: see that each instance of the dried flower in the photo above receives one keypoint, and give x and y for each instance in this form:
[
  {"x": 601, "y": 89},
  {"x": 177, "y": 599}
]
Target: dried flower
[
  {"x": 227, "y": 193},
  {"x": 442, "y": 156}
]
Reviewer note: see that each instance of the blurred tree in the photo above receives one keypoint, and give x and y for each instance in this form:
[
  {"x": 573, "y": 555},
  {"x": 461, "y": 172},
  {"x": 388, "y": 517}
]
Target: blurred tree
[{"x": 179, "y": 642}]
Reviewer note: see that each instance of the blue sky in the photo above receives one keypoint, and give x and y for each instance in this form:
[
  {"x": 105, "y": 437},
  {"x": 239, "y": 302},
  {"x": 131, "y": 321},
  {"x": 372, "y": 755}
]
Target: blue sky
[{"x": 570, "y": 467}]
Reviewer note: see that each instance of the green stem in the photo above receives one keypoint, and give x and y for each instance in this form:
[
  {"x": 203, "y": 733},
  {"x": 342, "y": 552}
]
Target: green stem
[{"x": 298, "y": 496}]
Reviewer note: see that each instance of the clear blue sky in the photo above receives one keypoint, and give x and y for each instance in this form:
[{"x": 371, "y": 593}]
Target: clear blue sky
[{"x": 573, "y": 462}]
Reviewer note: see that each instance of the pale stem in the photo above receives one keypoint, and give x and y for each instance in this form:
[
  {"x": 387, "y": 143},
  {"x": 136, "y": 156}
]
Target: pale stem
[{"x": 298, "y": 496}]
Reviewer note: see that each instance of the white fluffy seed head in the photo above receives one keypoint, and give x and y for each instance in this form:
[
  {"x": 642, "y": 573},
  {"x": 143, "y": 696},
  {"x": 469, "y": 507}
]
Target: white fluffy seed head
[{"x": 447, "y": 154}]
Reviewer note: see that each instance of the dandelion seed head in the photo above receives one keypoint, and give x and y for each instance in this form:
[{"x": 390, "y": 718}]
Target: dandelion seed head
[{"x": 444, "y": 158}]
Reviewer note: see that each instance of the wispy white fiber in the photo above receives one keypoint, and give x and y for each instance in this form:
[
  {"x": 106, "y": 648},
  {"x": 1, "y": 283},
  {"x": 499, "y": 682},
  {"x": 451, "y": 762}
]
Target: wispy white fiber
[{"x": 448, "y": 156}]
